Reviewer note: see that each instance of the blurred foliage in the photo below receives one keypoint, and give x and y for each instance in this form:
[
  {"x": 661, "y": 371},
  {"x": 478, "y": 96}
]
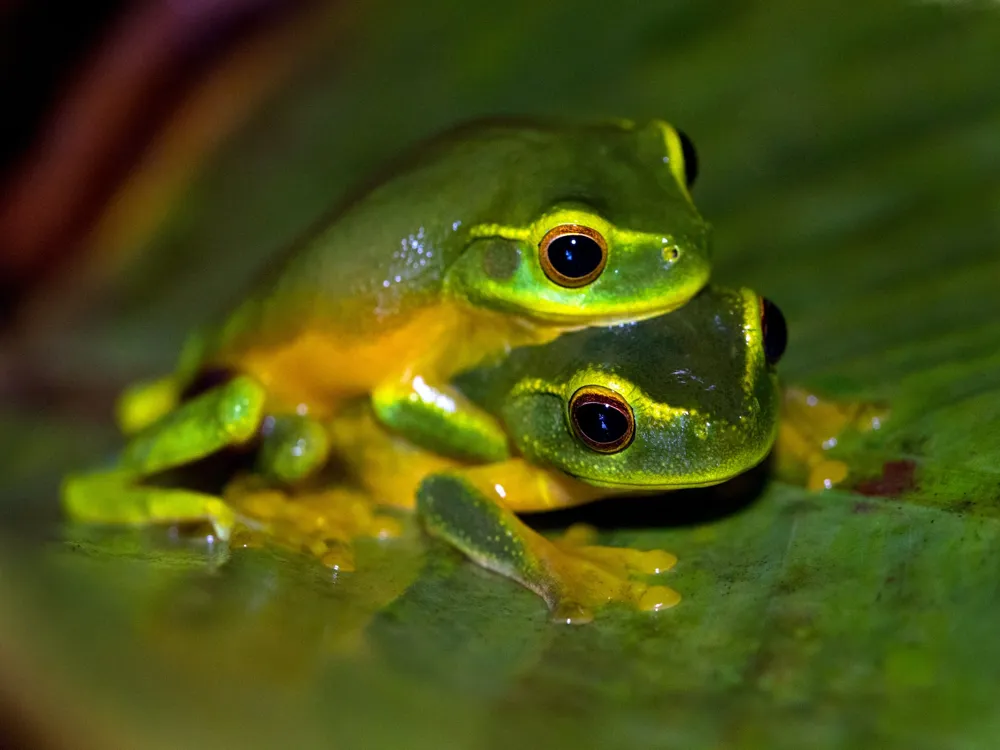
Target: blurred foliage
[
  {"x": 849, "y": 166},
  {"x": 110, "y": 107}
]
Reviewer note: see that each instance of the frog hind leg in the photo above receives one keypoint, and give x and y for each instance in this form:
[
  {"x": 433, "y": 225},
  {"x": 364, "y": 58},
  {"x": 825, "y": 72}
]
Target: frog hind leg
[
  {"x": 574, "y": 578},
  {"x": 229, "y": 415}
]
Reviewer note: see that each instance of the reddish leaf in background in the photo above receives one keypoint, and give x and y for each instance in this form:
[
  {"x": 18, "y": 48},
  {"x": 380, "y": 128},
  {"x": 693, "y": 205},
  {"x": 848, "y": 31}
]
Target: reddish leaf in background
[{"x": 135, "y": 76}]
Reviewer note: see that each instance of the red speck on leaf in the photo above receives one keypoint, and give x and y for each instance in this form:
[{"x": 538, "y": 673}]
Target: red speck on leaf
[{"x": 897, "y": 478}]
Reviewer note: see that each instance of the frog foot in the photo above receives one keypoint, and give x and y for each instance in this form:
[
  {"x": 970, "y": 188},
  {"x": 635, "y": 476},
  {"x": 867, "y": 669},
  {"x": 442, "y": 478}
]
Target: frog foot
[
  {"x": 621, "y": 560},
  {"x": 574, "y": 577},
  {"x": 322, "y": 523},
  {"x": 811, "y": 426},
  {"x": 583, "y": 577}
]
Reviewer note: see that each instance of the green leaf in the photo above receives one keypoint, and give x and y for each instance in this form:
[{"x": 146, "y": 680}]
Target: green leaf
[{"x": 849, "y": 164}]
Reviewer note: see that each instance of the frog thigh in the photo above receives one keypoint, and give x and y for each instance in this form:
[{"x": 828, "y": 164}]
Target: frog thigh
[{"x": 573, "y": 580}]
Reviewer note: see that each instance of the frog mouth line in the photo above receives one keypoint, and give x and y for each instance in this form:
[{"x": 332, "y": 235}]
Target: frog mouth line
[
  {"x": 653, "y": 487},
  {"x": 570, "y": 323}
]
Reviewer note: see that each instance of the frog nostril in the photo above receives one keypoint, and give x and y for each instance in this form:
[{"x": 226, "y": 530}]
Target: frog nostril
[{"x": 671, "y": 253}]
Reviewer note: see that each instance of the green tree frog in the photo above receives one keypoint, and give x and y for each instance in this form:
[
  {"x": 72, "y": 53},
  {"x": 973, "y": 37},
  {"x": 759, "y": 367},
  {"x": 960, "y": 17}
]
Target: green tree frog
[
  {"x": 680, "y": 400},
  {"x": 497, "y": 235}
]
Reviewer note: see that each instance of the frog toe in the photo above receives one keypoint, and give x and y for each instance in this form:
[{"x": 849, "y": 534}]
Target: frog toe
[
  {"x": 570, "y": 612},
  {"x": 595, "y": 577},
  {"x": 624, "y": 562}
]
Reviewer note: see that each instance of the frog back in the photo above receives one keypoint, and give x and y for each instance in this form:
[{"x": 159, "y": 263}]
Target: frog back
[
  {"x": 367, "y": 290},
  {"x": 382, "y": 257}
]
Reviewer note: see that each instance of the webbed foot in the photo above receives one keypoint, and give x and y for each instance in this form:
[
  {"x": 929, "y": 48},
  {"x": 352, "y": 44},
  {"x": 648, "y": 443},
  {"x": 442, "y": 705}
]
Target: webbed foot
[
  {"x": 575, "y": 578},
  {"x": 322, "y": 523},
  {"x": 811, "y": 426}
]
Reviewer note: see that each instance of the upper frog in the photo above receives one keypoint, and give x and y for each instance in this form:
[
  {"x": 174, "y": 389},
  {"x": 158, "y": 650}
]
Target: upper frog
[
  {"x": 578, "y": 226},
  {"x": 556, "y": 223},
  {"x": 493, "y": 236}
]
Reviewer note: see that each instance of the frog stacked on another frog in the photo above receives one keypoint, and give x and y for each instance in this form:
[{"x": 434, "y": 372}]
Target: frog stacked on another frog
[
  {"x": 474, "y": 264},
  {"x": 496, "y": 235}
]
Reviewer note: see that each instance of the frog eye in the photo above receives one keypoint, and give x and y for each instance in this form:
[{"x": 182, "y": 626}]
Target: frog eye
[
  {"x": 572, "y": 255},
  {"x": 775, "y": 330},
  {"x": 690, "y": 158},
  {"x": 602, "y": 419}
]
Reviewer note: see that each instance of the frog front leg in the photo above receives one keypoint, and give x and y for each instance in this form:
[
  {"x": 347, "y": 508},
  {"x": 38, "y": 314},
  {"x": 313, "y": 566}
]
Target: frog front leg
[
  {"x": 225, "y": 416},
  {"x": 440, "y": 419},
  {"x": 473, "y": 510}
]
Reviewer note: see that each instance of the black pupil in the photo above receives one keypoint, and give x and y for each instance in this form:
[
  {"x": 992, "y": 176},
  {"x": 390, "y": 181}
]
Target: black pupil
[
  {"x": 775, "y": 331},
  {"x": 575, "y": 255},
  {"x": 690, "y": 158},
  {"x": 601, "y": 423}
]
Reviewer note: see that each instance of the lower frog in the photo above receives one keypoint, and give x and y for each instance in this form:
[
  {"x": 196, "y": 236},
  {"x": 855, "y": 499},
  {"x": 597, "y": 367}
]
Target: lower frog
[
  {"x": 682, "y": 400},
  {"x": 688, "y": 399}
]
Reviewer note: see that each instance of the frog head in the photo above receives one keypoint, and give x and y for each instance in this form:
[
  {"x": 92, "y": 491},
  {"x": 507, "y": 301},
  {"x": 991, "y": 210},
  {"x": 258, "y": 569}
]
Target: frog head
[
  {"x": 588, "y": 225},
  {"x": 680, "y": 400}
]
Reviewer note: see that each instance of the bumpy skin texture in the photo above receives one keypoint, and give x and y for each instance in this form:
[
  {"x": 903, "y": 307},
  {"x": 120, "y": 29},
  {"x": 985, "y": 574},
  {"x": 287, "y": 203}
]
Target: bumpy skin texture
[{"x": 436, "y": 269}]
